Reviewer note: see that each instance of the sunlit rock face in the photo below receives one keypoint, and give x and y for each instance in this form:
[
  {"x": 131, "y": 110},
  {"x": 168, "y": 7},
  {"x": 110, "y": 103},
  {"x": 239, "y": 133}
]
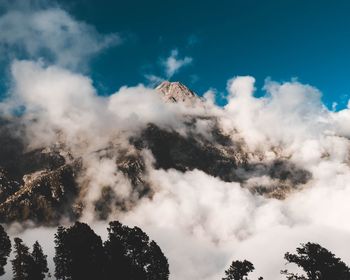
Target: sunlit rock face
[
  {"x": 47, "y": 184},
  {"x": 176, "y": 92}
]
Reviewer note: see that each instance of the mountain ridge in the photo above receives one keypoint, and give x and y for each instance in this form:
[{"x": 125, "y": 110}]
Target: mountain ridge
[{"x": 44, "y": 186}]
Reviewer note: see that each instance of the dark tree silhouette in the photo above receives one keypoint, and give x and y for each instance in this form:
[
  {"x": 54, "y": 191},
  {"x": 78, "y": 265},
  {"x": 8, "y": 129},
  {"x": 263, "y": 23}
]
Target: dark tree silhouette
[
  {"x": 118, "y": 260},
  {"x": 23, "y": 262},
  {"x": 159, "y": 267},
  {"x": 318, "y": 264},
  {"x": 79, "y": 253},
  {"x": 239, "y": 270},
  {"x": 61, "y": 257},
  {"x": 131, "y": 255},
  {"x": 128, "y": 254},
  {"x": 5, "y": 249},
  {"x": 39, "y": 268}
]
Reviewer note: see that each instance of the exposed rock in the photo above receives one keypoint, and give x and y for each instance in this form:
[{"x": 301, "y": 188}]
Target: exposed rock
[
  {"x": 44, "y": 197},
  {"x": 133, "y": 167},
  {"x": 176, "y": 92},
  {"x": 7, "y": 186}
]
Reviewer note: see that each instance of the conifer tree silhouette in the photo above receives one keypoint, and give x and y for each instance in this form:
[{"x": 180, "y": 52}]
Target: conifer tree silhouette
[
  {"x": 239, "y": 270},
  {"x": 23, "y": 263},
  {"x": 40, "y": 268},
  {"x": 132, "y": 255},
  {"x": 5, "y": 249},
  {"x": 79, "y": 253},
  {"x": 318, "y": 264}
]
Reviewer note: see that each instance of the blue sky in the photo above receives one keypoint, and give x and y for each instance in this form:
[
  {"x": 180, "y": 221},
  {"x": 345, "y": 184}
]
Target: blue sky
[{"x": 308, "y": 40}]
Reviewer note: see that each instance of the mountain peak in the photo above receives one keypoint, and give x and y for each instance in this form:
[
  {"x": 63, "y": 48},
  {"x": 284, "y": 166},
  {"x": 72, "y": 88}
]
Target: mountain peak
[{"x": 176, "y": 92}]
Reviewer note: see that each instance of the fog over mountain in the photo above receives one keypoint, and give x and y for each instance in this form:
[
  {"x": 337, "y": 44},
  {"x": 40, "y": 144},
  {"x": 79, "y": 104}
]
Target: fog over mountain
[{"x": 251, "y": 179}]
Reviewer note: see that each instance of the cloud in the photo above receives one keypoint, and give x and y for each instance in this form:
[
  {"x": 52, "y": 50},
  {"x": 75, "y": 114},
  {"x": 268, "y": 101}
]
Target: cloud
[
  {"x": 291, "y": 109},
  {"x": 153, "y": 80},
  {"x": 34, "y": 32},
  {"x": 57, "y": 99},
  {"x": 171, "y": 65},
  {"x": 174, "y": 63}
]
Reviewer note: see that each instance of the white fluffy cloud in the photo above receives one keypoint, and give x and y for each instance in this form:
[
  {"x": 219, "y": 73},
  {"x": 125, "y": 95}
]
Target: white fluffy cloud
[
  {"x": 174, "y": 63},
  {"x": 216, "y": 222},
  {"x": 171, "y": 65},
  {"x": 51, "y": 33}
]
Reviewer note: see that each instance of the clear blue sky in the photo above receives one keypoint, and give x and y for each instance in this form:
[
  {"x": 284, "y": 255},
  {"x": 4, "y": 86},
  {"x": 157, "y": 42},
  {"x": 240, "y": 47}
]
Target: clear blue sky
[{"x": 280, "y": 39}]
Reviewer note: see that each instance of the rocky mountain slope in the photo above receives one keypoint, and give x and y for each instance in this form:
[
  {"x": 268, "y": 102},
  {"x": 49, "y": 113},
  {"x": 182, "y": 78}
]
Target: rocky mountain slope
[{"x": 43, "y": 185}]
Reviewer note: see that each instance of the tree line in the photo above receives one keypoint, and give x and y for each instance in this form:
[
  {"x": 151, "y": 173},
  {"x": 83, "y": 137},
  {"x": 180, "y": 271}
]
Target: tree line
[
  {"x": 129, "y": 254},
  {"x": 316, "y": 262}
]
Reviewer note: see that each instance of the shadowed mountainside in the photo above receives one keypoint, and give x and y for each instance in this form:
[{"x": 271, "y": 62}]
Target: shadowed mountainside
[{"x": 42, "y": 185}]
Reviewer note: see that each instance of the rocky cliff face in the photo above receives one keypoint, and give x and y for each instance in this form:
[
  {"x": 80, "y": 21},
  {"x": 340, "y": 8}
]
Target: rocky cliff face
[
  {"x": 176, "y": 92},
  {"x": 42, "y": 185}
]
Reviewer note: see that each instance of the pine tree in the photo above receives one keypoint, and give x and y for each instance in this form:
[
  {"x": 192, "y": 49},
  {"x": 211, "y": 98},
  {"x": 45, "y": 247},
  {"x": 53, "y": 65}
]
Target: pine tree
[
  {"x": 40, "y": 262},
  {"x": 79, "y": 253},
  {"x": 61, "y": 258},
  {"x": 117, "y": 253},
  {"x": 318, "y": 264},
  {"x": 159, "y": 267},
  {"x": 239, "y": 270},
  {"x": 23, "y": 263},
  {"x": 5, "y": 249},
  {"x": 132, "y": 255}
]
